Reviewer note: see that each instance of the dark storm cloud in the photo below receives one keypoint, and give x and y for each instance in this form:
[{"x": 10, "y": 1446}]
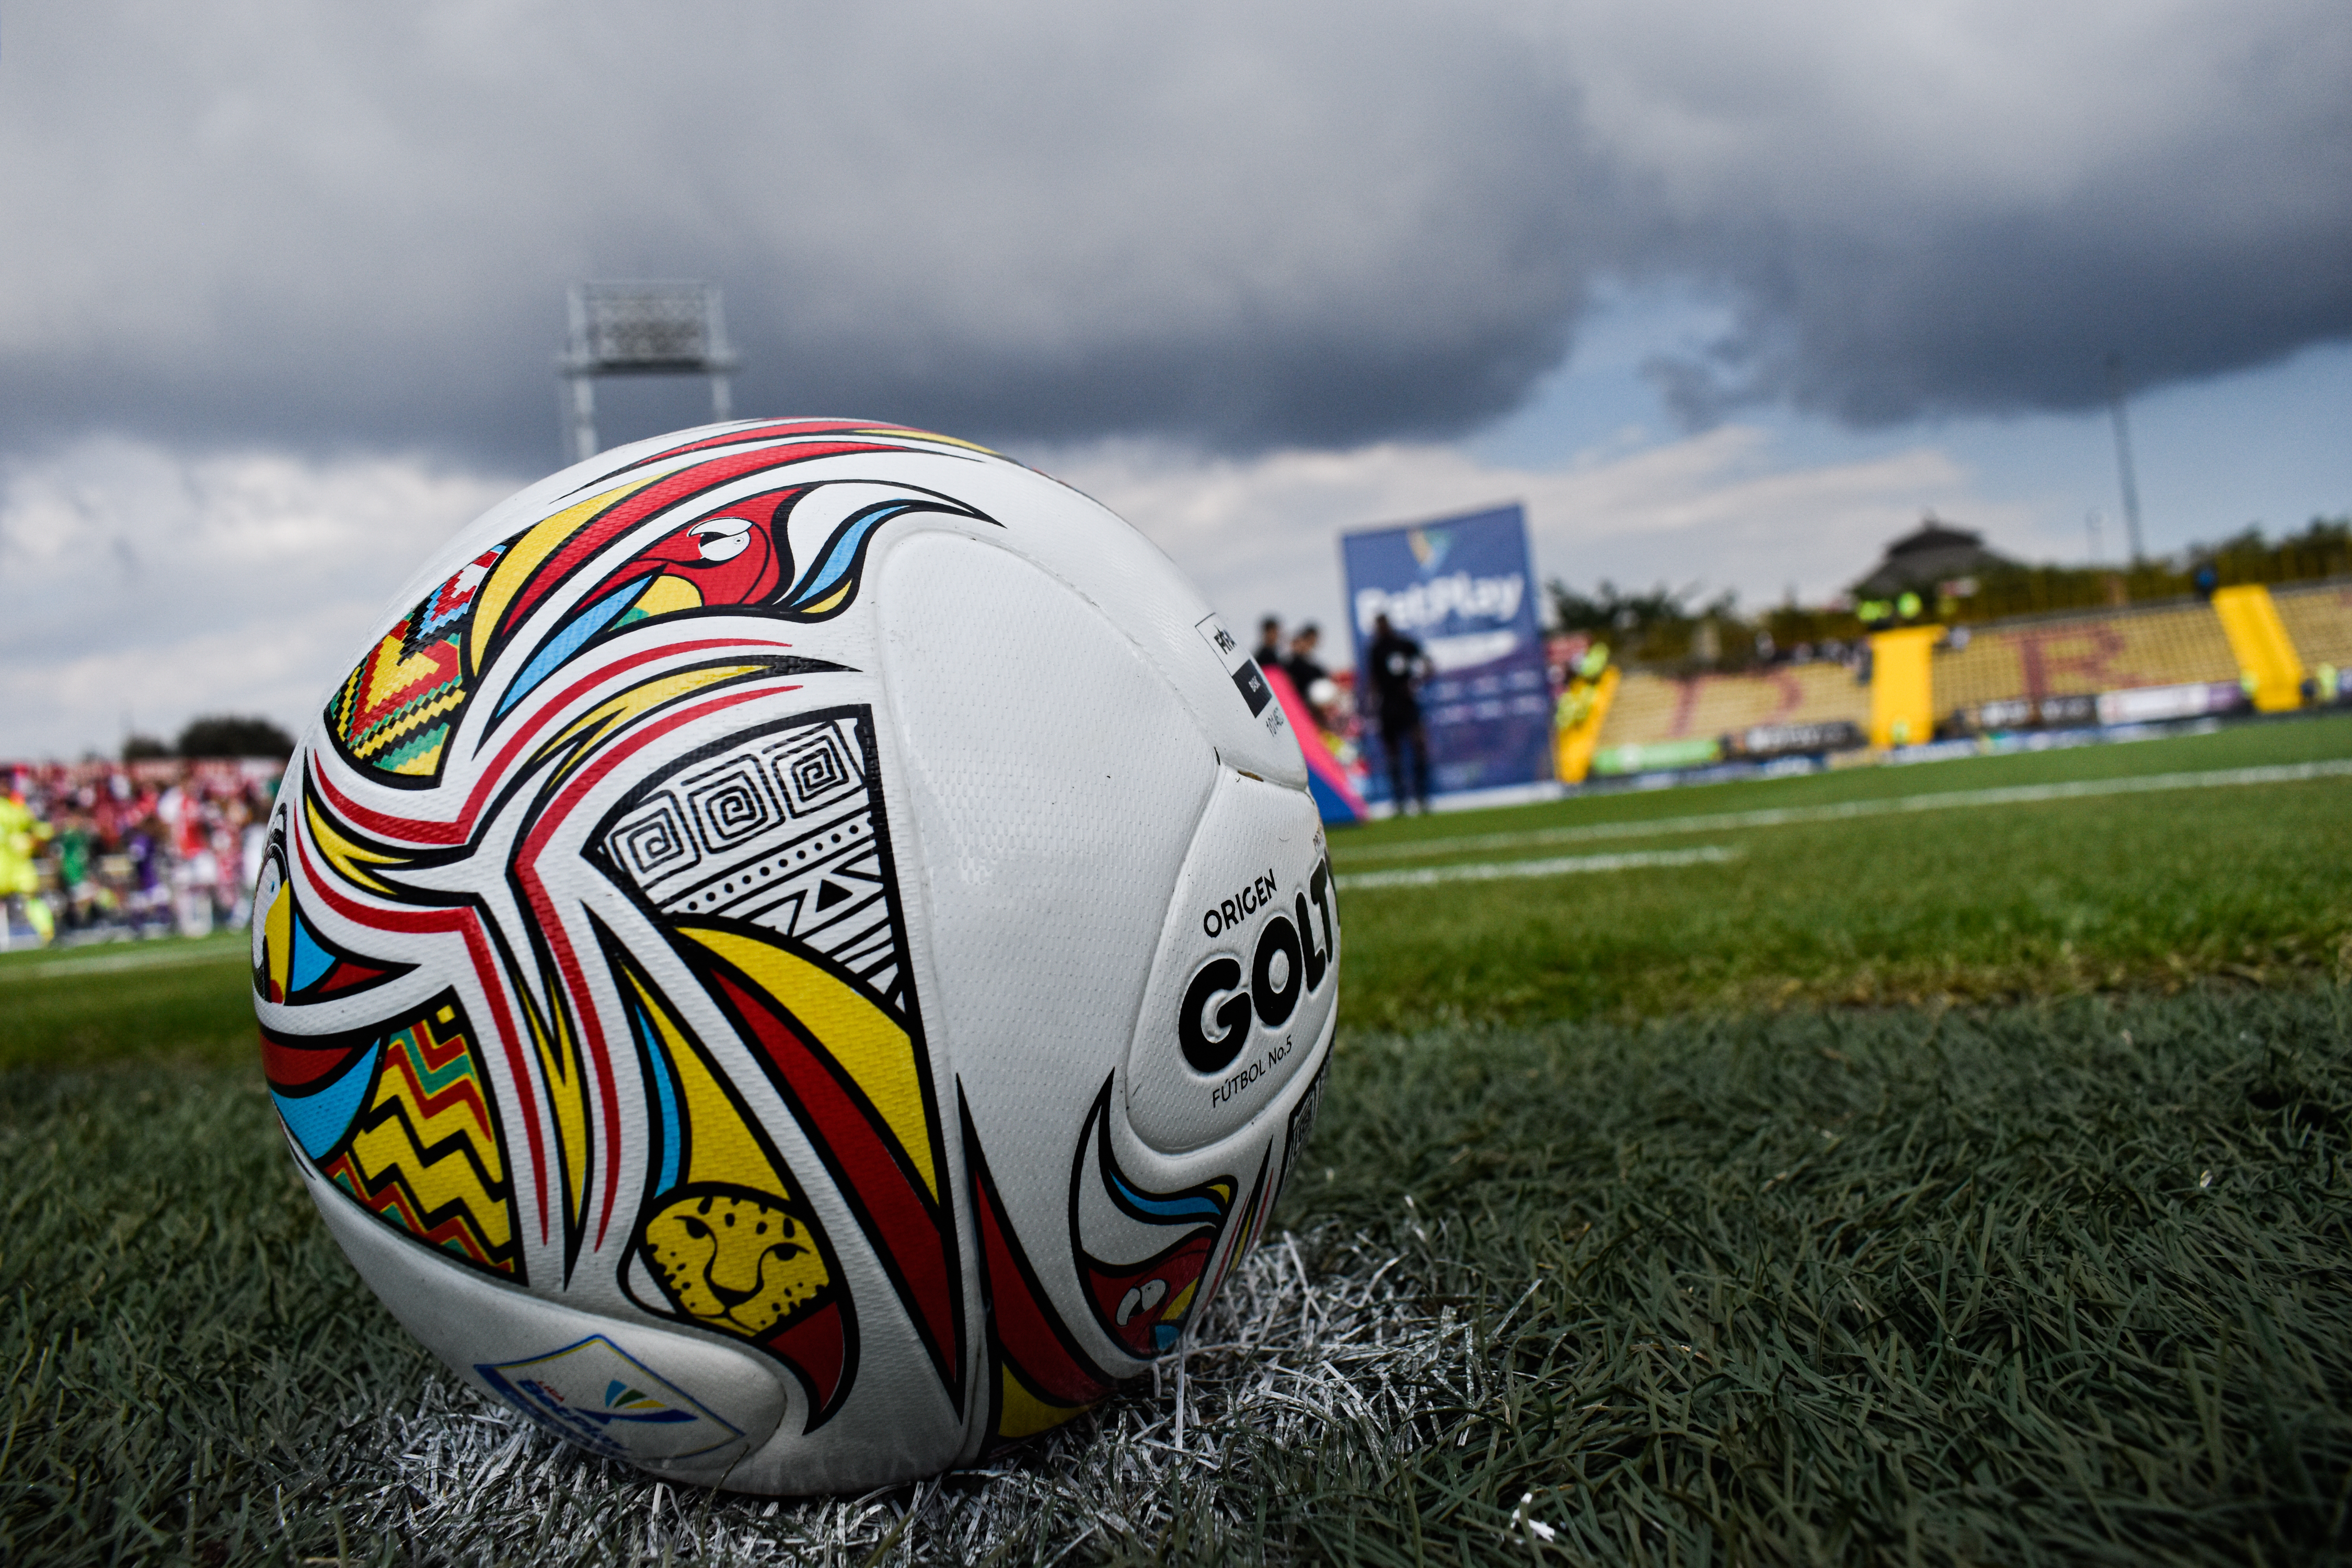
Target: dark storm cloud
[
  {"x": 2211, "y": 240},
  {"x": 351, "y": 226}
]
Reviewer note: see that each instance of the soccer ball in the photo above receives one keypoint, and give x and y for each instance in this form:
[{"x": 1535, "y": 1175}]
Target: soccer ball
[{"x": 803, "y": 955}]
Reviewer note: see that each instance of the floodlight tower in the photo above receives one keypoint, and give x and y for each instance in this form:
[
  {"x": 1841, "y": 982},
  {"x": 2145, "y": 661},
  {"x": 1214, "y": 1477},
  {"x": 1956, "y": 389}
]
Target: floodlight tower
[
  {"x": 2128, "y": 482},
  {"x": 641, "y": 329}
]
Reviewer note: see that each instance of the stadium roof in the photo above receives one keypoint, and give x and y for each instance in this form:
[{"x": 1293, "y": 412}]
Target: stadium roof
[{"x": 1934, "y": 553}]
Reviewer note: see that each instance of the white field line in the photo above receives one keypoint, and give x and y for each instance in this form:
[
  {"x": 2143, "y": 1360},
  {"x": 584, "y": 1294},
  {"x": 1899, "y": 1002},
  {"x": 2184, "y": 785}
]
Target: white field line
[
  {"x": 162, "y": 956},
  {"x": 1283, "y": 1359},
  {"x": 1944, "y": 800},
  {"x": 1566, "y": 866}
]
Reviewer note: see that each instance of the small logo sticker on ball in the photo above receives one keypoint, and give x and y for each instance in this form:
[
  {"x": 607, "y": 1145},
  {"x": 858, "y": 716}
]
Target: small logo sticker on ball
[
  {"x": 1252, "y": 686},
  {"x": 1248, "y": 679},
  {"x": 1213, "y": 632},
  {"x": 602, "y": 1397}
]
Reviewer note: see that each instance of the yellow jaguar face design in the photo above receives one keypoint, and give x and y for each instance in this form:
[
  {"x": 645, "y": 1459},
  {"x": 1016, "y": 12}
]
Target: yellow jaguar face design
[{"x": 733, "y": 1258}]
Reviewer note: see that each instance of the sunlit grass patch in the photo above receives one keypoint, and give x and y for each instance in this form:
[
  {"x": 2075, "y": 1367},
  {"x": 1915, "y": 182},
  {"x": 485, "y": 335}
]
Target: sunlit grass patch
[
  {"x": 187, "y": 1000},
  {"x": 2054, "y": 898}
]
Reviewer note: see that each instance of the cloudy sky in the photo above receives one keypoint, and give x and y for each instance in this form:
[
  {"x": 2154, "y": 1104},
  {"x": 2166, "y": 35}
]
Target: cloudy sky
[{"x": 1727, "y": 294}]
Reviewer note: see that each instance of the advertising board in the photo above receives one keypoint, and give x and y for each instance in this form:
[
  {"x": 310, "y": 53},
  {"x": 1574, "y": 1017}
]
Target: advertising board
[{"x": 1464, "y": 588}]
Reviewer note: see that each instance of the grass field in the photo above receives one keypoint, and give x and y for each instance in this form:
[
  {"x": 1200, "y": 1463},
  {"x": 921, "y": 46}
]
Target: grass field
[
  {"x": 181, "y": 1000},
  {"x": 1627, "y": 1235},
  {"x": 1977, "y": 902}
]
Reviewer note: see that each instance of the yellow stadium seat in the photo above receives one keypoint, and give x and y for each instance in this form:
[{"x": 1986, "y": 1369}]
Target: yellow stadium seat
[
  {"x": 2083, "y": 656},
  {"x": 1653, "y": 708},
  {"x": 2319, "y": 619}
]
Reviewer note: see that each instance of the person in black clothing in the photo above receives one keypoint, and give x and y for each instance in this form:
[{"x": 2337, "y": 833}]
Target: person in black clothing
[
  {"x": 1396, "y": 665},
  {"x": 1305, "y": 670},
  {"x": 1269, "y": 642}
]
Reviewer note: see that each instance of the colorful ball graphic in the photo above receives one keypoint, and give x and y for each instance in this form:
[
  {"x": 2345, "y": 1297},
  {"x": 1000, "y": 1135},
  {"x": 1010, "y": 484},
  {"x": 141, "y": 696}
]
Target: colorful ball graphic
[{"x": 802, "y": 954}]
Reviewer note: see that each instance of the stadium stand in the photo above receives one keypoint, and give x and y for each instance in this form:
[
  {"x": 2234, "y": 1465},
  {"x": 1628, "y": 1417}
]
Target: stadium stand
[
  {"x": 2318, "y": 616},
  {"x": 2086, "y": 654},
  {"x": 1652, "y": 709},
  {"x": 2066, "y": 667},
  {"x": 2077, "y": 654}
]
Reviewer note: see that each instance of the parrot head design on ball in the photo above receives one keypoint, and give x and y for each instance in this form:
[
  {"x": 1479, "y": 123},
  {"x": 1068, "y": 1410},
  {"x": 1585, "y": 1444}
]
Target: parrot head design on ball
[
  {"x": 732, "y": 557},
  {"x": 740, "y": 554}
]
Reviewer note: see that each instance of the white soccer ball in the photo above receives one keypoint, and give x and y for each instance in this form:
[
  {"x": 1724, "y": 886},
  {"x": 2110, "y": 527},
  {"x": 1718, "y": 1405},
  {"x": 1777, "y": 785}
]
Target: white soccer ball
[{"x": 803, "y": 955}]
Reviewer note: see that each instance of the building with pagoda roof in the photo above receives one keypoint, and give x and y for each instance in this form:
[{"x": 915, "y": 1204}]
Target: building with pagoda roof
[{"x": 1936, "y": 552}]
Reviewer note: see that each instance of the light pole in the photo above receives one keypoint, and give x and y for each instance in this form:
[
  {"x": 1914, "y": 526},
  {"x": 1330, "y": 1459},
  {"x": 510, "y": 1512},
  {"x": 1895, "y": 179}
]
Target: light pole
[
  {"x": 640, "y": 329},
  {"x": 2123, "y": 457}
]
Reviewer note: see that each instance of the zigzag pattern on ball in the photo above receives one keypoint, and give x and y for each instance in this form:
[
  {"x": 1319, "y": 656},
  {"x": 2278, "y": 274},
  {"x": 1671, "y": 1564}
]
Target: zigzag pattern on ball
[
  {"x": 424, "y": 1153},
  {"x": 394, "y": 712}
]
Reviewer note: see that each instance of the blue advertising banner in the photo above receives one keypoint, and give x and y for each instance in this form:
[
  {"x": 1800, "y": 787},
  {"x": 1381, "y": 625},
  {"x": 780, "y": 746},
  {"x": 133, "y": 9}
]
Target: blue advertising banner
[{"x": 1463, "y": 589}]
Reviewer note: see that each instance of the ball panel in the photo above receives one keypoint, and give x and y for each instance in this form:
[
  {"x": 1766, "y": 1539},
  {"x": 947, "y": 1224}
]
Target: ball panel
[
  {"x": 678, "y": 1404},
  {"x": 1037, "y": 1372},
  {"x": 1137, "y": 590},
  {"x": 1055, "y": 780},
  {"x": 765, "y": 864},
  {"x": 1142, "y": 1244},
  {"x": 402, "y": 1116},
  {"x": 1292, "y": 1109},
  {"x": 1246, "y": 976}
]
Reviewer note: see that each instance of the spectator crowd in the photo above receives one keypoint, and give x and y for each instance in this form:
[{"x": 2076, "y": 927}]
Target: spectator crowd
[{"x": 104, "y": 851}]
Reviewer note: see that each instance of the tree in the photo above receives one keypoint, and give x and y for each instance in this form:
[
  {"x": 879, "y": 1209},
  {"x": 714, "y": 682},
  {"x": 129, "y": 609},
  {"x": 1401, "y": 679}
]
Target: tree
[
  {"x": 1659, "y": 628},
  {"x": 227, "y": 735}
]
